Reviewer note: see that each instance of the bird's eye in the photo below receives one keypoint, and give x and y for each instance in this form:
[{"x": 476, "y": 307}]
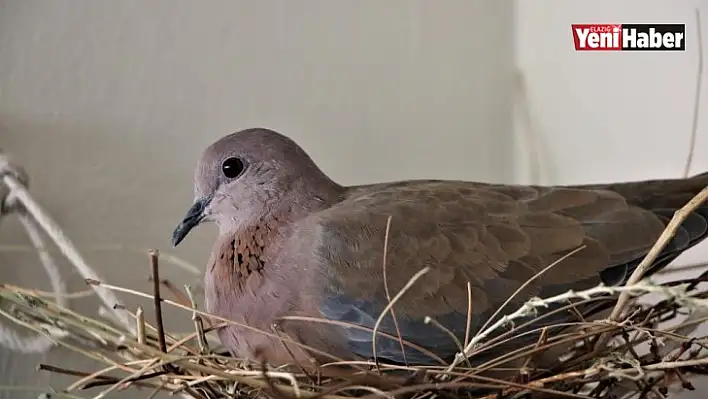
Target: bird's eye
[{"x": 232, "y": 167}]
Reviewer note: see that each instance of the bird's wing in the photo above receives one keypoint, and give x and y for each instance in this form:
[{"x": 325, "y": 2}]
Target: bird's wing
[{"x": 494, "y": 237}]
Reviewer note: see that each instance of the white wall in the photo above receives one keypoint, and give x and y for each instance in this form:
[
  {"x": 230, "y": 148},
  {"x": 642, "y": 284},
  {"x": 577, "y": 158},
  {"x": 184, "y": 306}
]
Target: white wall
[
  {"x": 632, "y": 109},
  {"x": 108, "y": 105},
  {"x": 604, "y": 116}
]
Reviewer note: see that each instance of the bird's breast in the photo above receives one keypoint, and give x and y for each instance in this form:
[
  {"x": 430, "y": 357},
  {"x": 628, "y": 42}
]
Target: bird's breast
[
  {"x": 236, "y": 270},
  {"x": 243, "y": 287}
]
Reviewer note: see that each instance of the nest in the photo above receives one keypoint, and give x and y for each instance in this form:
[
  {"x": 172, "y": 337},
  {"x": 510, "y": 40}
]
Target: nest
[
  {"x": 644, "y": 352},
  {"x": 642, "y": 349}
]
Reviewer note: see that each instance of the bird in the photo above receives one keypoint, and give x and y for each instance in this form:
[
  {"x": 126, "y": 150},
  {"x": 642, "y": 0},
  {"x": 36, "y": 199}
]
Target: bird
[{"x": 303, "y": 257}]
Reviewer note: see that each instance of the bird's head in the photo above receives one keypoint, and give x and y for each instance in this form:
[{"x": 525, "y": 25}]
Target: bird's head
[{"x": 243, "y": 176}]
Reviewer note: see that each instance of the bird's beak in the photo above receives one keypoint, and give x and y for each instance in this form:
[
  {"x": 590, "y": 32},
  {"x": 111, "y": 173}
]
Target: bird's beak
[{"x": 194, "y": 216}]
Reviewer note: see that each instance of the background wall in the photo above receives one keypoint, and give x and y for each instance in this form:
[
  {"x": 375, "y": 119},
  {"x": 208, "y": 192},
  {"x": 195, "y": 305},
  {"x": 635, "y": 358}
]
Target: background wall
[
  {"x": 108, "y": 105},
  {"x": 603, "y": 116}
]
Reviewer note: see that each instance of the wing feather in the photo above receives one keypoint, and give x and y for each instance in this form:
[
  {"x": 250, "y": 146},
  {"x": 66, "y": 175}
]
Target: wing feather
[{"x": 491, "y": 236}]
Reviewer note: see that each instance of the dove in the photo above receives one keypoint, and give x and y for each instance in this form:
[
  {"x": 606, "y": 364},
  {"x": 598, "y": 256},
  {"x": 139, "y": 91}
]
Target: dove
[{"x": 313, "y": 263}]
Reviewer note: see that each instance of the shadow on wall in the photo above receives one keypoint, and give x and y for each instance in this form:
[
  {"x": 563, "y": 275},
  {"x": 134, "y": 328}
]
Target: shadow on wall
[{"x": 76, "y": 186}]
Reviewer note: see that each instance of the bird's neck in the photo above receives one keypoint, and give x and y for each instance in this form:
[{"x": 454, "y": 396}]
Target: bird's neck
[
  {"x": 240, "y": 253},
  {"x": 278, "y": 213},
  {"x": 241, "y": 250}
]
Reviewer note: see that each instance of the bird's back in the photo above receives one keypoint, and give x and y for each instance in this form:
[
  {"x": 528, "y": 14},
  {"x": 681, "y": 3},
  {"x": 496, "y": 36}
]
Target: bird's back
[{"x": 494, "y": 237}]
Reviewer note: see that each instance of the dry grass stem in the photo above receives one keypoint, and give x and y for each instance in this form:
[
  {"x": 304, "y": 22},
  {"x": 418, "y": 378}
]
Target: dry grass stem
[
  {"x": 663, "y": 240},
  {"x": 697, "y": 99},
  {"x": 199, "y": 373}
]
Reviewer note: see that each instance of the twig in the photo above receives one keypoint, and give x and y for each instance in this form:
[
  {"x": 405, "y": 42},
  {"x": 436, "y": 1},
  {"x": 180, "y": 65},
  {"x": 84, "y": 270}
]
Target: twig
[
  {"x": 676, "y": 364},
  {"x": 222, "y": 319},
  {"x": 124, "y": 384},
  {"x": 62, "y": 370},
  {"x": 542, "y": 340},
  {"x": 36, "y": 344},
  {"x": 211, "y": 372},
  {"x": 71, "y": 295},
  {"x": 80, "y": 384},
  {"x": 488, "y": 383},
  {"x": 361, "y": 328},
  {"x": 65, "y": 371},
  {"x": 697, "y": 99},
  {"x": 484, "y": 332},
  {"x": 140, "y": 325},
  {"x": 468, "y": 323},
  {"x": 535, "y": 303},
  {"x": 430, "y": 320},
  {"x": 156, "y": 390},
  {"x": 533, "y": 147},
  {"x": 274, "y": 374},
  {"x": 48, "y": 393},
  {"x": 168, "y": 337},
  {"x": 398, "y": 296},
  {"x": 130, "y": 377},
  {"x": 154, "y": 254},
  {"x": 388, "y": 294},
  {"x": 165, "y": 256},
  {"x": 67, "y": 248},
  {"x": 294, "y": 359},
  {"x": 526, "y": 284},
  {"x": 687, "y": 328},
  {"x": 174, "y": 291},
  {"x": 663, "y": 240},
  {"x": 198, "y": 325}
]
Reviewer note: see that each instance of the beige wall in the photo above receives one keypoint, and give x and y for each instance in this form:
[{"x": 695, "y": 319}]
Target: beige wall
[
  {"x": 108, "y": 104},
  {"x": 610, "y": 116}
]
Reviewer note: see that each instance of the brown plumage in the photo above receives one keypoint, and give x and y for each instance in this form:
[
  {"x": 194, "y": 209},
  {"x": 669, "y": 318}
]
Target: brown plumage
[{"x": 294, "y": 243}]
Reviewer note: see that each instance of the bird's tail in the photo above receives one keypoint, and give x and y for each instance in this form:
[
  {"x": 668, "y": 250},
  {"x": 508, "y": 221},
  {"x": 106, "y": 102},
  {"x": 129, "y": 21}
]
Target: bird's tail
[
  {"x": 652, "y": 194},
  {"x": 663, "y": 198}
]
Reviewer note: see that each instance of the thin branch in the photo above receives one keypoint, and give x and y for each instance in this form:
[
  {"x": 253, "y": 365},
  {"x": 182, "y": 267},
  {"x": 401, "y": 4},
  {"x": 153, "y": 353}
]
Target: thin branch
[
  {"x": 398, "y": 296},
  {"x": 140, "y": 325},
  {"x": 198, "y": 323},
  {"x": 697, "y": 99},
  {"x": 468, "y": 324},
  {"x": 67, "y": 248},
  {"x": 484, "y": 331},
  {"x": 65, "y": 371},
  {"x": 388, "y": 293},
  {"x": 155, "y": 266},
  {"x": 655, "y": 251}
]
